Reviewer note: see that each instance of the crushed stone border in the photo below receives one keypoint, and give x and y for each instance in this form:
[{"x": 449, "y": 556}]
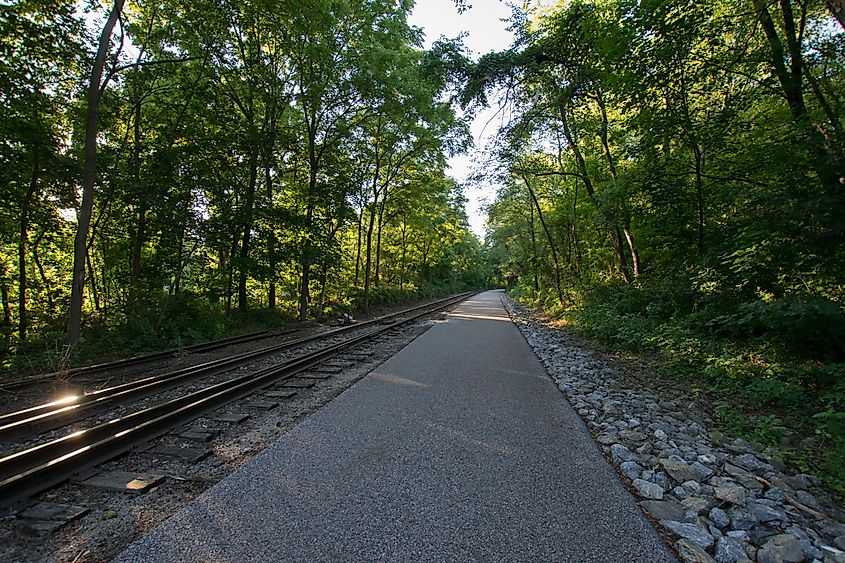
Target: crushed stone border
[{"x": 721, "y": 502}]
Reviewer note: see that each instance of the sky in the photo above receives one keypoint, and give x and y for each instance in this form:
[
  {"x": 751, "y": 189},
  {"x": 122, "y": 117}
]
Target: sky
[{"x": 485, "y": 32}]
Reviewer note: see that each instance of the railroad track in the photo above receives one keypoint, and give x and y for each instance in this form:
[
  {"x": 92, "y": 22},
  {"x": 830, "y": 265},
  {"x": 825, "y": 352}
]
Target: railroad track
[
  {"x": 146, "y": 359},
  {"x": 55, "y": 414},
  {"x": 28, "y": 472}
]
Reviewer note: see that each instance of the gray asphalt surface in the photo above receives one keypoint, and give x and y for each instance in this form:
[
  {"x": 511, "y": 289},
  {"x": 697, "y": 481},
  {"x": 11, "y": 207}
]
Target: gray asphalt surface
[{"x": 459, "y": 448}]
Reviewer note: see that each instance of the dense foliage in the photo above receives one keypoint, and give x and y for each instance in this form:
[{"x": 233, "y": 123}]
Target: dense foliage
[
  {"x": 170, "y": 166},
  {"x": 674, "y": 184}
]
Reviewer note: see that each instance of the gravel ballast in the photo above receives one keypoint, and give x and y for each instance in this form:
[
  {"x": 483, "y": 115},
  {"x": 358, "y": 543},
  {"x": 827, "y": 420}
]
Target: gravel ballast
[{"x": 115, "y": 519}]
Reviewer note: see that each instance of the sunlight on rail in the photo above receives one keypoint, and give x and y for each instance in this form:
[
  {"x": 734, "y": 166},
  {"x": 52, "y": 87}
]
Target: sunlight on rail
[{"x": 64, "y": 400}]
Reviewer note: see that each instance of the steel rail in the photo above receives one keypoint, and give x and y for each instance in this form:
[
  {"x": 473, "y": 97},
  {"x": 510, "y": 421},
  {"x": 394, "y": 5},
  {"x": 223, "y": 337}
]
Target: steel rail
[
  {"x": 31, "y": 471},
  {"x": 54, "y": 414}
]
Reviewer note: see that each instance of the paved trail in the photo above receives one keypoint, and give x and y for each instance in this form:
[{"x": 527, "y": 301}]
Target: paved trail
[{"x": 459, "y": 448}]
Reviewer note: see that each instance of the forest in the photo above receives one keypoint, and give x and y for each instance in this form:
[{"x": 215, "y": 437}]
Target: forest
[
  {"x": 673, "y": 187},
  {"x": 176, "y": 170}
]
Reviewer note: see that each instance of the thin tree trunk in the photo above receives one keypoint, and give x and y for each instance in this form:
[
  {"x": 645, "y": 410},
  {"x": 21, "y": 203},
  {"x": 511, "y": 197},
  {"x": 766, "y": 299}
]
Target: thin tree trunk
[
  {"x": 376, "y": 193},
  {"x": 536, "y": 260},
  {"x": 4, "y": 294},
  {"x": 180, "y": 251},
  {"x": 698, "y": 157},
  {"x": 425, "y": 270},
  {"x": 138, "y": 244},
  {"x": 368, "y": 260},
  {"x": 89, "y": 171},
  {"x": 575, "y": 236},
  {"x": 626, "y": 223},
  {"x": 629, "y": 237},
  {"x": 271, "y": 243},
  {"x": 137, "y": 247},
  {"x": 304, "y": 294},
  {"x": 376, "y": 279},
  {"x": 588, "y": 184},
  {"x": 358, "y": 246},
  {"x": 404, "y": 253},
  {"x": 666, "y": 146},
  {"x": 51, "y": 307},
  {"x": 699, "y": 198},
  {"x": 23, "y": 239},
  {"x": 7, "y": 311},
  {"x": 230, "y": 266},
  {"x": 837, "y": 8},
  {"x": 95, "y": 293},
  {"x": 269, "y": 153},
  {"x": 247, "y": 237},
  {"x": 549, "y": 238},
  {"x": 323, "y": 286}
]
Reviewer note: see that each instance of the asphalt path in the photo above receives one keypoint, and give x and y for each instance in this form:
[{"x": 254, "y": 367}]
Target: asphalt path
[{"x": 459, "y": 448}]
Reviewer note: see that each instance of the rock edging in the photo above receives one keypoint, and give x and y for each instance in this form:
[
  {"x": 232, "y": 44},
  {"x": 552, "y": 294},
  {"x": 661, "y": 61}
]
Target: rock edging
[{"x": 724, "y": 503}]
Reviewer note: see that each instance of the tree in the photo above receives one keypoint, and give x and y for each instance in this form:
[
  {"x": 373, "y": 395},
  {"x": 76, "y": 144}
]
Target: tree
[
  {"x": 95, "y": 88},
  {"x": 225, "y": 148}
]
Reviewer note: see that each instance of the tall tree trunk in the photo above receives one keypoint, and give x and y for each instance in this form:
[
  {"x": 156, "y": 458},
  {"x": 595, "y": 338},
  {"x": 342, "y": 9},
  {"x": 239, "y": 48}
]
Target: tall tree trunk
[
  {"x": 575, "y": 236},
  {"x": 535, "y": 259},
  {"x": 23, "y": 239},
  {"x": 552, "y": 245},
  {"x": 247, "y": 236},
  {"x": 313, "y": 165},
  {"x": 140, "y": 232},
  {"x": 666, "y": 146},
  {"x": 304, "y": 293},
  {"x": 358, "y": 246},
  {"x": 376, "y": 279},
  {"x": 698, "y": 157},
  {"x": 271, "y": 243},
  {"x": 89, "y": 171},
  {"x": 616, "y": 232},
  {"x": 230, "y": 267},
  {"x": 402, "y": 261},
  {"x": 376, "y": 192},
  {"x": 368, "y": 260},
  {"x": 626, "y": 223},
  {"x": 270, "y": 118}
]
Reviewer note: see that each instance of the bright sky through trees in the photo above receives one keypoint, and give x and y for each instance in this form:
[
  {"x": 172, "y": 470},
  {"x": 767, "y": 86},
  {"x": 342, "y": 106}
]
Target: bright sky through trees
[{"x": 485, "y": 32}]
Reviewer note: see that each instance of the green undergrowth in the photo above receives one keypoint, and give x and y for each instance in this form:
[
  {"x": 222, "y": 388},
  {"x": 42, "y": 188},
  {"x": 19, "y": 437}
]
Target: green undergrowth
[
  {"x": 387, "y": 295},
  {"x": 152, "y": 326},
  {"x": 177, "y": 321},
  {"x": 772, "y": 370}
]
